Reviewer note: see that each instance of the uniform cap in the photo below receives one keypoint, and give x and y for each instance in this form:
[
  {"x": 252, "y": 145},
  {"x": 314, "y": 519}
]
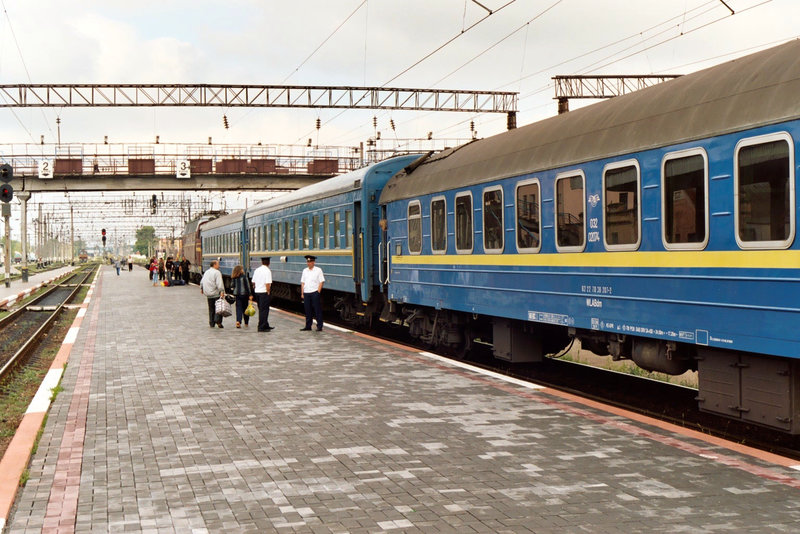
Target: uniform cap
[{"x": 309, "y": 257}]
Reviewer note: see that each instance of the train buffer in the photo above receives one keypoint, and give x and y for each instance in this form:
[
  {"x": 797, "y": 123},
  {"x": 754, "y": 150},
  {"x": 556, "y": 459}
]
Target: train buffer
[{"x": 163, "y": 423}]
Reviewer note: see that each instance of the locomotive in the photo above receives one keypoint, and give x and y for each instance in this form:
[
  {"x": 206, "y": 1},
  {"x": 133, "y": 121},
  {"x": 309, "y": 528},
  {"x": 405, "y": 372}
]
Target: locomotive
[{"x": 657, "y": 227}]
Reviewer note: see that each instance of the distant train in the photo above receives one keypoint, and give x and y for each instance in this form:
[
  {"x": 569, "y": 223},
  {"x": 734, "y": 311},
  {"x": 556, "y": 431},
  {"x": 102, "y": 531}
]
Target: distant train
[{"x": 658, "y": 227}]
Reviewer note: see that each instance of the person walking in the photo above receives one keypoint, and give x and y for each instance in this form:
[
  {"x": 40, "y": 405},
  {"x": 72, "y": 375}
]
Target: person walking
[
  {"x": 130, "y": 264},
  {"x": 240, "y": 287},
  {"x": 212, "y": 287},
  {"x": 262, "y": 290},
  {"x": 117, "y": 265},
  {"x": 311, "y": 282}
]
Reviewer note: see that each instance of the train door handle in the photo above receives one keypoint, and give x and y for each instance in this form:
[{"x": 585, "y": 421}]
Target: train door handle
[
  {"x": 388, "y": 260},
  {"x": 380, "y": 263}
]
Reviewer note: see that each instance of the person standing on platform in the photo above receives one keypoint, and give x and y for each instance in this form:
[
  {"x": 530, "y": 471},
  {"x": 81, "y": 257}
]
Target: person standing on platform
[
  {"x": 311, "y": 283},
  {"x": 213, "y": 288},
  {"x": 154, "y": 272},
  {"x": 185, "y": 266},
  {"x": 130, "y": 264},
  {"x": 240, "y": 287},
  {"x": 168, "y": 270},
  {"x": 262, "y": 289},
  {"x": 117, "y": 265}
]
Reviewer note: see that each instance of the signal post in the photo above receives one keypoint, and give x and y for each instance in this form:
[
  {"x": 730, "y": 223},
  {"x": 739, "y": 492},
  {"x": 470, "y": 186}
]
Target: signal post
[{"x": 6, "y": 195}]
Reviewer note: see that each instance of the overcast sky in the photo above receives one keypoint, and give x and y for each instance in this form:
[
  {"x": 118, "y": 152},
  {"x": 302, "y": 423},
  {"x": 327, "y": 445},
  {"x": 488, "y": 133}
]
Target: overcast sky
[
  {"x": 518, "y": 47},
  {"x": 271, "y": 42}
]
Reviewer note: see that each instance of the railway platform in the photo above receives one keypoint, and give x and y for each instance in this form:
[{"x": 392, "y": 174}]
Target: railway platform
[
  {"x": 163, "y": 424},
  {"x": 18, "y": 289}
]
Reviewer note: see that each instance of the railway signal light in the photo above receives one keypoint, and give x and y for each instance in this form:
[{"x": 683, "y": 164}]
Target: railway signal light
[
  {"x": 6, "y": 173},
  {"x": 153, "y": 204},
  {"x": 6, "y": 191},
  {"x": 103, "y": 232}
]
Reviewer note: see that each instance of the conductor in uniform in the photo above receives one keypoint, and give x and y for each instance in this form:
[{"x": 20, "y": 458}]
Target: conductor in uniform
[
  {"x": 262, "y": 288},
  {"x": 311, "y": 283}
]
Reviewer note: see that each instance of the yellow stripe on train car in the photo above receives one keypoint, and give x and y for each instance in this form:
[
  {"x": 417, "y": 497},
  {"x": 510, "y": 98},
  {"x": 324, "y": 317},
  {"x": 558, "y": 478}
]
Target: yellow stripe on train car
[{"x": 744, "y": 259}]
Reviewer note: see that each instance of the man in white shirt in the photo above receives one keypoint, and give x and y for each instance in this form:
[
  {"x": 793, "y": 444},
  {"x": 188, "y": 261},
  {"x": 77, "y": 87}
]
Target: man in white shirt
[
  {"x": 212, "y": 287},
  {"x": 262, "y": 284},
  {"x": 311, "y": 283}
]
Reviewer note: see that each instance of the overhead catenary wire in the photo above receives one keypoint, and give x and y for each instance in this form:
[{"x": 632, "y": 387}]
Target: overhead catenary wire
[
  {"x": 25, "y": 67},
  {"x": 439, "y": 48},
  {"x": 449, "y": 41},
  {"x": 339, "y": 27}
]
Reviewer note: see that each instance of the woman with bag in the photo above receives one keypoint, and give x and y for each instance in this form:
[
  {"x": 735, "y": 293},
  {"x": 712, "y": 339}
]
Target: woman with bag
[{"x": 240, "y": 285}]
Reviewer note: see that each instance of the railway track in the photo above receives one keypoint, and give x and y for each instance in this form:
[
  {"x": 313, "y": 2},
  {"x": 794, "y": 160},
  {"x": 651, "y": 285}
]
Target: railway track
[{"x": 22, "y": 330}]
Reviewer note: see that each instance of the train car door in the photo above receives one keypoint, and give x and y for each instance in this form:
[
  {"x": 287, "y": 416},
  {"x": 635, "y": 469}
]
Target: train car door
[
  {"x": 358, "y": 249},
  {"x": 383, "y": 251}
]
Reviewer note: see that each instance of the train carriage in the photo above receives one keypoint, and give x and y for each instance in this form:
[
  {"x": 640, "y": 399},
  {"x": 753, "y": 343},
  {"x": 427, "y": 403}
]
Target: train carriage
[
  {"x": 334, "y": 220},
  {"x": 222, "y": 240},
  {"x": 191, "y": 245},
  {"x": 658, "y": 226}
]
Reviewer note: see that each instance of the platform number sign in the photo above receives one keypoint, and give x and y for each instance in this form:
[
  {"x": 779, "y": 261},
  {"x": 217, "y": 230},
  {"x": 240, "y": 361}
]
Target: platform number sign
[
  {"x": 183, "y": 170},
  {"x": 46, "y": 168}
]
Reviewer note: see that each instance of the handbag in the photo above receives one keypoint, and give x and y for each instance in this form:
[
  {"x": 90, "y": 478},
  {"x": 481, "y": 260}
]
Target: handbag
[
  {"x": 250, "y": 310},
  {"x": 230, "y": 298},
  {"x": 222, "y": 308}
]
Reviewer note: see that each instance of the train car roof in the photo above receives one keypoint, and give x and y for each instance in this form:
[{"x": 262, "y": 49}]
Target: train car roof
[
  {"x": 751, "y": 91},
  {"x": 235, "y": 217},
  {"x": 192, "y": 225},
  {"x": 324, "y": 189}
]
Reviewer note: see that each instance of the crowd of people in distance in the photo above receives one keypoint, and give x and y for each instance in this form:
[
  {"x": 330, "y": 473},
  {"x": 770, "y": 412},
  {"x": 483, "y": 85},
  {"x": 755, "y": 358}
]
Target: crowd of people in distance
[{"x": 172, "y": 272}]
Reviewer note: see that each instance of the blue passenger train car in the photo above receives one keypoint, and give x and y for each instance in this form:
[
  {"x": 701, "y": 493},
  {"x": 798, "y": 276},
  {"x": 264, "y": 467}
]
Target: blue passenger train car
[
  {"x": 659, "y": 226},
  {"x": 336, "y": 220},
  {"x": 222, "y": 241}
]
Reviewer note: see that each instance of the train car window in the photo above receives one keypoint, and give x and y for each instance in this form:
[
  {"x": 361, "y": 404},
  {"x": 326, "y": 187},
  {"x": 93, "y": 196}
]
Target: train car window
[
  {"x": 272, "y": 236},
  {"x": 336, "y": 222},
  {"x": 348, "y": 221},
  {"x": 570, "y": 210},
  {"x": 438, "y": 225},
  {"x": 414, "y": 227},
  {"x": 295, "y": 244},
  {"x": 684, "y": 202},
  {"x": 493, "y": 227},
  {"x": 529, "y": 224},
  {"x": 621, "y": 206},
  {"x": 764, "y": 185},
  {"x": 464, "y": 227},
  {"x": 306, "y": 235},
  {"x": 285, "y": 235},
  {"x": 326, "y": 225},
  {"x": 316, "y": 242}
]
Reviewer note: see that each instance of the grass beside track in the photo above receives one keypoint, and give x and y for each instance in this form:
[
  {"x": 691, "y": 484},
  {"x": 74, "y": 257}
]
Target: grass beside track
[{"x": 17, "y": 391}]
